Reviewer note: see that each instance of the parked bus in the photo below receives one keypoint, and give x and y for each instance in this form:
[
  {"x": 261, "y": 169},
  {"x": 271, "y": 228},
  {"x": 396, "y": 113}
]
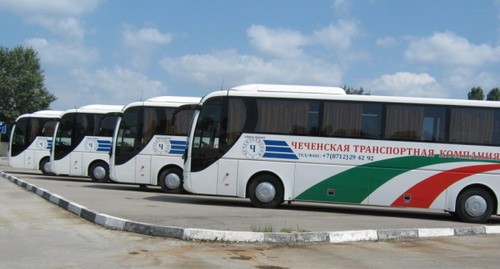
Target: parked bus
[
  {"x": 82, "y": 141},
  {"x": 31, "y": 140},
  {"x": 285, "y": 143},
  {"x": 149, "y": 142}
]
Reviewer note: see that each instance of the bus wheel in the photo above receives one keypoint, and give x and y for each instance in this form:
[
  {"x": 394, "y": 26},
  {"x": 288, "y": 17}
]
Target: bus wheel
[
  {"x": 474, "y": 205},
  {"x": 171, "y": 180},
  {"x": 99, "y": 172},
  {"x": 45, "y": 166},
  {"x": 266, "y": 191}
]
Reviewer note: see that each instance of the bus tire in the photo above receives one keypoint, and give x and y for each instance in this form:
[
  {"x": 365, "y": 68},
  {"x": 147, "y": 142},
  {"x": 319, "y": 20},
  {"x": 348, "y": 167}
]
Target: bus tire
[
  {"x": 474, "y": 205},
  {"x": 171, "y": 180},
  {"x": 266, "y": 191},
  {"x": 44, "y": 166},
  {"x": 99, "y": 172}
]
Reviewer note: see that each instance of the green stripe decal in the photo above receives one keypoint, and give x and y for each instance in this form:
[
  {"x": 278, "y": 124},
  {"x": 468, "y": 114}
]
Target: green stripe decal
[{"x": 356, "y": 184}]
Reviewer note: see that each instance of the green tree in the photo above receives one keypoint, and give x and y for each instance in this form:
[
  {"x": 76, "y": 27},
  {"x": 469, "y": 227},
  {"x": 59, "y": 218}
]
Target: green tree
[
  {"x": 494, "y": 95},
  {"x": 351, "y": 90},
  {"x": 476, "y": 93},
  {"x": 22, "y": 87}
]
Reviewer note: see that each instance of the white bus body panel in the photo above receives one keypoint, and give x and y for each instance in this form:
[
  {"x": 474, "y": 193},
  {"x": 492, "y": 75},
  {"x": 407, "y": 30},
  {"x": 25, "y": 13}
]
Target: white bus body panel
[
  {"x": 221, "y": 178},
  {"x": 160, "y": 152},
  {"x": 30, "y": 157},
  {"x": 76, "y": 163}
]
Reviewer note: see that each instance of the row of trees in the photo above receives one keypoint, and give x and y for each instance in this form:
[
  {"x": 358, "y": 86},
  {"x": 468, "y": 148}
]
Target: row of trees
[{"x": 477, "y": 93}]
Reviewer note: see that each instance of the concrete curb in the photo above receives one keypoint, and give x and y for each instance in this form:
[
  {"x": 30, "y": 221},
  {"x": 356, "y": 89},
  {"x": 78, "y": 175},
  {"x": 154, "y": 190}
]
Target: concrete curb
[{"x": 192, "y": 234}]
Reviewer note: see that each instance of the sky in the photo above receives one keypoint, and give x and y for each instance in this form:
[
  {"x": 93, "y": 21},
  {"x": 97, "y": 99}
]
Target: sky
[{"x": 121, "y": 51}]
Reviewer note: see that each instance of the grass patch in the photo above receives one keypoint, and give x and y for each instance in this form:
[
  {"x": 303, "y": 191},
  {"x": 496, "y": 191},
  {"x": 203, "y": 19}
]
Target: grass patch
[
  {"x": 270, "y": 229},
  {"x": 293, "y": 230},
  {"x": 259, "y": 229}
]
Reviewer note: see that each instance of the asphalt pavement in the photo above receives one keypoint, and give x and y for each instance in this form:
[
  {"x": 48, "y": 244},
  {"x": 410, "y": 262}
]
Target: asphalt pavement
[{"x": 200, "y": 233}]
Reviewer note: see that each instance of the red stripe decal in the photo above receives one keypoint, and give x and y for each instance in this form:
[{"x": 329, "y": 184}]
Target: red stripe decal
[{"x": 425, "y": 192}]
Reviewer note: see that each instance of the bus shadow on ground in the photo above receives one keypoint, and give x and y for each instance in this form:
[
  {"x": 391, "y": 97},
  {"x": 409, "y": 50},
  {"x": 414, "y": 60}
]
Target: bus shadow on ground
[
  {"x": 221, "y": 201},
  {"x": 375, "y": 211},
  {"x": 123, "y": 187},
  {"x": 40, "y": 176}
]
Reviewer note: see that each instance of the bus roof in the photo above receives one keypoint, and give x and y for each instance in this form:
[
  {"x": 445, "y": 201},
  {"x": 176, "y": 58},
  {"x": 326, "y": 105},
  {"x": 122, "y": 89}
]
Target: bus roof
[
  {"x": 280, "y": 91},
  {"x": 166, "y": 101},
  {"x": 43, "y": 114},
  {"x": 289, "y": 89},
  {"x": 174, "y": 99},
  {"x": 97, "y": 108}
]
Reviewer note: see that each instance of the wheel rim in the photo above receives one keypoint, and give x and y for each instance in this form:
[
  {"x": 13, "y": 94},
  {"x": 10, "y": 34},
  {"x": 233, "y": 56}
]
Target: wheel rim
[
  {"x": 172, "y": 181},
  {"x": 46, "y": 167},
  {"x": 99, "y": 172},
  {"x": 476, "y": 206},
  {"x": 265, "y": 192}
]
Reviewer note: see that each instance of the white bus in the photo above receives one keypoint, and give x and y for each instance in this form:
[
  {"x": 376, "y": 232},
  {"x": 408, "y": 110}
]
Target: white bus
[
  {"x": 284, "y": 143},
  {"x": 149, "y": 142},
  {"x": 31, "y": 140},
  {"x": 82, "y": 141}
]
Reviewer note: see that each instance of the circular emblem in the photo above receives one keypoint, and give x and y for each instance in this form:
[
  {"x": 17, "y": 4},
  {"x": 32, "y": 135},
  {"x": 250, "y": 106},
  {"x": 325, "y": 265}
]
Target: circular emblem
[
  {"x": 161, "y": 145},
  {"x": 42, "y": 143},
  {"x": 254, "y": 148},
  {"x": 91, "y": 144}
]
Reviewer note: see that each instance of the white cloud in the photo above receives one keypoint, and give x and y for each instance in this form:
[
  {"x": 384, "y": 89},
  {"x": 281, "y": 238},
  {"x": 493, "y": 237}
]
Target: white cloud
[
  {"x": 285, "y": 43},
  {"x": 386, "y": 42},
  {"x": 407, "y": 84},
  {"x": 281, "y": 58},
  {"x": 450, "y": 49},
  {"x": 140, "y": 45},
  {"x": 276, "y": 42},
  {"x": 464, "y": 78},
  {"x": 113, "y": 86},
  {"x": 60, "y": 17},
  {"x": 342, "y": 7},
  {"x": 209, "y": 70},
  {"x": 144, "y": 36},
  {"x": 68, "y": 28},
  {"x": 50, "y": 7},
  {"x": 61, "y": 53},
  {"x": 337, "y": 36}
]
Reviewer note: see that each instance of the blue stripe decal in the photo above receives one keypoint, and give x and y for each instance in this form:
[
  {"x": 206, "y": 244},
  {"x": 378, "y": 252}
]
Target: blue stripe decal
[
  {"x": 276, "y": 149},
  {"x": 275, "y": 143},
  {"x": 279, "y": 150},
  {"x": 280, "y": 156},
  {"x": 177, "y": 147},
  {"x": 103, "y": 145}
]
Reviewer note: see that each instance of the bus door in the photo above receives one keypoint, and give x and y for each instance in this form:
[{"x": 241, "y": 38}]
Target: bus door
[
  {"x": 143, "y": 169},
  {"x": 227, "y": 177},
  {"x": 217, "y": 174},
  {"x": 76, "y": 165}
]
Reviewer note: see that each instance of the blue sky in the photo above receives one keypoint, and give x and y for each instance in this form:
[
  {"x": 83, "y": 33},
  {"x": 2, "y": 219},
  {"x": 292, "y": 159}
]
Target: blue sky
[{"x": 120, "y": 51}]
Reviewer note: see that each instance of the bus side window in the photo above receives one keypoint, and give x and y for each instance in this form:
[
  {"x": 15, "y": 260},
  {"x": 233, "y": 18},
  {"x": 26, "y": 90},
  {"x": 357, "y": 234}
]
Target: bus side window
[
  {"x": 434, "y": 123},
  {"x": 371, "y": 124},
  {"x": 472, "y": 125},
  {"x": 342, "y": 119},
  {"x": 278, "y": 116},
  {"x": 404, "y": 122},
  {"x": 496, "y": 128}
]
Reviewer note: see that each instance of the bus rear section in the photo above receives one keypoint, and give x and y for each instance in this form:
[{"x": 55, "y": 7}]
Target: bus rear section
[
  {"x": 149, "y": 142},
  {"x": 274, "y": 146},
  {"x": 82, "y": 141},
  {"x": 31, "y": 140}
]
